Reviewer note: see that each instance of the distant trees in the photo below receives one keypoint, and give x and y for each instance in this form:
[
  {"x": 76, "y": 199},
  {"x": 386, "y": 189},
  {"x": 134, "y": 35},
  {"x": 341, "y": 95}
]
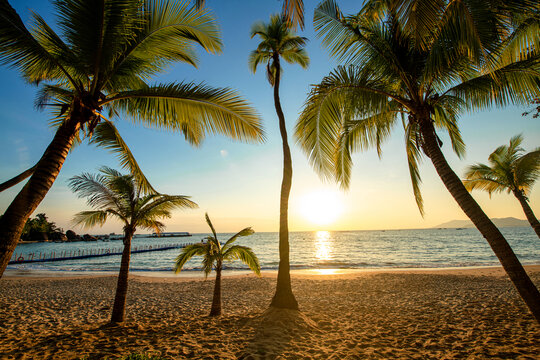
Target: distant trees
[{"x": 40, "y": 228}]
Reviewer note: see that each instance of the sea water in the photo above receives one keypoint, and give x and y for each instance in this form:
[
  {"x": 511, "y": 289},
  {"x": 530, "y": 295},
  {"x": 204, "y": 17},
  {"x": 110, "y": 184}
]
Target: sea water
[{"x": 422, "y": 248}]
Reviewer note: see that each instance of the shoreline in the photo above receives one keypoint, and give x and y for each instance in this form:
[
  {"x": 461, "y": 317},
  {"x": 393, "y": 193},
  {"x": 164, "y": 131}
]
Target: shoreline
[{"x": 311, "y": 273}]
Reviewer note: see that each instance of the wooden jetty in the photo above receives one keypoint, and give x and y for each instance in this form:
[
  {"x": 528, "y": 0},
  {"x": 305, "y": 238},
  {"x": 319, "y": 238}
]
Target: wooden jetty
[{"x": 86, "y": 253}]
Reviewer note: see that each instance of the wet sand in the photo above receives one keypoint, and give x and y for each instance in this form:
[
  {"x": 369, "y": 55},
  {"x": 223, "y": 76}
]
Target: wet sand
[{"x": 415, "y": 314}]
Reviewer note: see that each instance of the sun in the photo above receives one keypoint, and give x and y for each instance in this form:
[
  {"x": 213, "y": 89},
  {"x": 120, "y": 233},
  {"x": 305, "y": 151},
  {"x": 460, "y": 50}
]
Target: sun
[{"x": 321, "y": 207}]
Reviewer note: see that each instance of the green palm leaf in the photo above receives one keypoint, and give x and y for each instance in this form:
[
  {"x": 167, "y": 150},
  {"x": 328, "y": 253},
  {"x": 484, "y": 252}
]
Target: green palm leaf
[
  {"x": 175, "y": 106},
  {"x": 244, "y": 254},
  {"x": 106, "y": 135},
  {"x": 187, "y": 253}
]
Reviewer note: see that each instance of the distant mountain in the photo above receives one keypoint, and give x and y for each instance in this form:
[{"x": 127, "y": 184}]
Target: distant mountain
[{"x": 499, "y": 222}]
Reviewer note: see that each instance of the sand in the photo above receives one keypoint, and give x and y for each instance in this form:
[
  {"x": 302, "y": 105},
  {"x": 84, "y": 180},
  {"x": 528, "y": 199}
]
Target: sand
[{"x": 451, "y": 314}]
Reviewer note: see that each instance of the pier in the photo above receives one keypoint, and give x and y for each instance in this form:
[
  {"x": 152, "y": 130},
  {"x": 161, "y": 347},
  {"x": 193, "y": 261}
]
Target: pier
[{"x": 86, "y": 253}]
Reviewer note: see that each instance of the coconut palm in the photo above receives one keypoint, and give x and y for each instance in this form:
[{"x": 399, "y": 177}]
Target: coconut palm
[
  {"x": 98, "y": 65},
  {"x": 122, "y": 197},
  {"x": 509, "y": 170},
  {"x": 278, "y": 41},
  {"x": 422, "y": 63},
  {"x": 214, "y": 255}
]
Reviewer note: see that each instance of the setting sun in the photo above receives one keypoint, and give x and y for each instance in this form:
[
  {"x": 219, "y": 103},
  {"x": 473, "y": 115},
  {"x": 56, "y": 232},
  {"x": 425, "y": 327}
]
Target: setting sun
[{"x": 321, "y": 207}]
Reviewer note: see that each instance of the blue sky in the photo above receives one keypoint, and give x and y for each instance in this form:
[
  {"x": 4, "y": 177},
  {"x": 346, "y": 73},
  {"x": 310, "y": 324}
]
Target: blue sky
[{"x": 238, "y": 184}]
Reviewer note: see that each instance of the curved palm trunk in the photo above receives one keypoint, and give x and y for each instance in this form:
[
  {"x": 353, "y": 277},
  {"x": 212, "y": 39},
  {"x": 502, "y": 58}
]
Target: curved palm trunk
[
  {"x": 17, "y": 179},
  {"x": 31, "y": 195},
  {"x": 216, "y": 301},
  {"x": 489, "y": 231},
  {"x": 122, "y": 284},
  {"x": 528, "y": 213},
  {"x": 284, "y": 297}
]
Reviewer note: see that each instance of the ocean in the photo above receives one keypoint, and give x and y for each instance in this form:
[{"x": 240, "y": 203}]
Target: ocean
[{"x": 422, "y": 248}]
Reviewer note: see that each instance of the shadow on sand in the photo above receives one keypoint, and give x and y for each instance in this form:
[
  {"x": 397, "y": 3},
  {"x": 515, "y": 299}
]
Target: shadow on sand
[{"x": 277, "y": 333}]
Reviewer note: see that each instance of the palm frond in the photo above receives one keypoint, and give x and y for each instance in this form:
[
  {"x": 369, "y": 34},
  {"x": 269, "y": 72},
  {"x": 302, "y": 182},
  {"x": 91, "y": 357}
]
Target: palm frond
[
  {"x": 177, "y": 106},
  {"x": 187, "y": 253},
  {"x": 293, "y": 11},
  {"x": 167, "y": 34},
  {"x": 244, "y": 254},
  {"x": 107, "y": 136},
  {"x": 95, "y": 189},
  {"x": 413, "y": 161},
  {"x": 244, "y": 232},
  {"x": 209, "y": 222},
  {"x": 18, "y": 48},
  {"x": 163, "y": 204},
  {"x": 89, "y": 219},
  {"x": 325, "y": 117}
]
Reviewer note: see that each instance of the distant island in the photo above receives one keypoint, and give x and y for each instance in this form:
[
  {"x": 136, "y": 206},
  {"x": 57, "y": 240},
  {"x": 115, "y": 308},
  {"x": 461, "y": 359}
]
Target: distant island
[{"x": 499, "y": 222}]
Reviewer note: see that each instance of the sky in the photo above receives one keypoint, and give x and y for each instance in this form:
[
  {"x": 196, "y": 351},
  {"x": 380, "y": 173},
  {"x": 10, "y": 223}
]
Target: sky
[{"x": 238, "y": 184}]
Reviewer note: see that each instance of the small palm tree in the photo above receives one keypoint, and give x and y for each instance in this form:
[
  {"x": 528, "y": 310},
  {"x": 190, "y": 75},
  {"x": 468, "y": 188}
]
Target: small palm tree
[
  {"x": 510, "y": 170},
  {"x": 214, "y": 255},
  {"x": 279, "y": 41},
  {"x": 96, "y": 66},
  {"x": 120, "y": 196}
]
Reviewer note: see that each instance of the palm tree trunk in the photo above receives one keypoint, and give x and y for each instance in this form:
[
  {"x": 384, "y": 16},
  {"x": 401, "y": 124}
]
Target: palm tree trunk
[
  {"x": 528, "y": 213},
  {"x": 31, "y": 195},
  {"x": 122, "y": 284},
  {"x": 284, "y": 297},
  {"x": 489, "y": 231},
  {"x": 216, "y": 302},
  {"x": 17, "y": 179}
]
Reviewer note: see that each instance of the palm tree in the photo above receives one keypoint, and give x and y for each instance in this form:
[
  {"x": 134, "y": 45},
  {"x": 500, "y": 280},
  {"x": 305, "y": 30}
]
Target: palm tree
[
  {"x": 102, "y": 60},
  {"x": 119, "y": 196},
  {"x": 510, "y": 170},
  {"x": 214, "y": 255},
  {"x": 423, "y": 63},
  {"x": 278, "y": 41}
]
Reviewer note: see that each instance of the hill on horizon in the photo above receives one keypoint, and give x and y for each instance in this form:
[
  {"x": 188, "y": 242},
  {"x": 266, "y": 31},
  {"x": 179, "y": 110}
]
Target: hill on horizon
[{"x": 499, "y": 222}]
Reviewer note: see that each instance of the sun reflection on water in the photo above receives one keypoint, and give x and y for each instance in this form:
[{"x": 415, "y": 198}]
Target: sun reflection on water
[{"x": 323, "y": 246}]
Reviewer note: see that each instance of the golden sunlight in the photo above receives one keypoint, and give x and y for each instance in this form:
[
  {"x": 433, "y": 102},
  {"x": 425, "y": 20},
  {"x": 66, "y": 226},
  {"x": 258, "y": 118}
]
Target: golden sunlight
[
  {"x": 321, "y": 207},
  {"x": 323, "y": 247}
]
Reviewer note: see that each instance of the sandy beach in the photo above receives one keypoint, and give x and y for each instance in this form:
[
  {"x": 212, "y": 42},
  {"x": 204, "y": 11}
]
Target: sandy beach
[{"x": 417, "y": 314}]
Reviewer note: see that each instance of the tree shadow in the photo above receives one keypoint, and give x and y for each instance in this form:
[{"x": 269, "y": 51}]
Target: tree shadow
[{"x": 276, "y": 332}]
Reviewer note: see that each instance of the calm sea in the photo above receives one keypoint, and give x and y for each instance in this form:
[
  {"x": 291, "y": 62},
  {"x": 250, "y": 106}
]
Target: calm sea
[{"x": 425, "y": 248}]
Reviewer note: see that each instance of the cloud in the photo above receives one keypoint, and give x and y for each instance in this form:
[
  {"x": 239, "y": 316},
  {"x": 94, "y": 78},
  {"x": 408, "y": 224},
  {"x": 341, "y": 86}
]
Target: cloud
[
  {"x": 224, "y": 153},
  {"x": 22, "y": 151}
]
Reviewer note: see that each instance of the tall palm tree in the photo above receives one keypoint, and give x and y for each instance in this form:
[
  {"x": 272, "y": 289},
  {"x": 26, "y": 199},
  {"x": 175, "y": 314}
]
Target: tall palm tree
[
  {"x": 509, "y": 170},
  {"x": 423, "y": 63},
  {"x": 279, "y": 41},
  {"x": 99, "y": 63},
  {"x": 119, "y": 196},
  {"x": 214, "y": 255}
]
